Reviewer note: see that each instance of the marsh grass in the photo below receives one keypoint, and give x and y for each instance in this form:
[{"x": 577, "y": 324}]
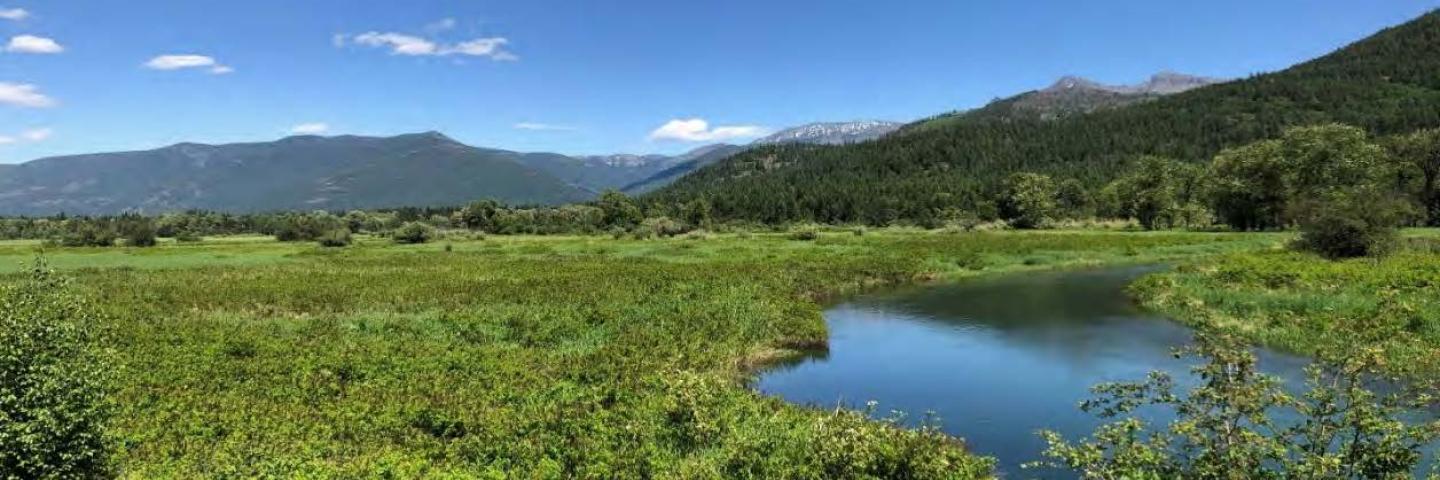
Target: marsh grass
[
  {"x": 1302, "y": 303},
  {"x": 532, "y": 357}
]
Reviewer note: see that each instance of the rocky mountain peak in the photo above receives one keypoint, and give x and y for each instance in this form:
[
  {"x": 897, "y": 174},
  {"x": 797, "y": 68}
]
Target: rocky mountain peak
[
  {"x": 1162, "y": 83},
  {"x": 1073, "y": 82},
  {"x": 832, "y": 133}
]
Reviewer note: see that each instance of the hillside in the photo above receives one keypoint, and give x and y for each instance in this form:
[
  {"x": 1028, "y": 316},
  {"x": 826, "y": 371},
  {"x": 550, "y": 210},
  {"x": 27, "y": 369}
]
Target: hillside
[
  {"x": 823, "y": 133},
  {"x": 1070, "y": 96},
  {"x": 295, "y": 173},
  {"x": 689, "y": 162},
  {"x": 643, "y": 173},
  {"x": 598, "y": 173},
  {"x": 1388, "y": 83}
]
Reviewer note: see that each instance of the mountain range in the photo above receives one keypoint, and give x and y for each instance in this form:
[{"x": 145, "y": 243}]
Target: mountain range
[
  {"x": 1073, "y": 95},
  {"x": 831, "y": 133},
  {"x": 1076, "y": 130},
  {"x": 1081, "y": 132},
  {"x": 301, "y": 172},
  {"x": 347, "y": 172}
]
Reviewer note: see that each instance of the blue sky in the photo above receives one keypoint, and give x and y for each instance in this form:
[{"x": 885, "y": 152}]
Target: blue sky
[{"x": 596, "y": 76}]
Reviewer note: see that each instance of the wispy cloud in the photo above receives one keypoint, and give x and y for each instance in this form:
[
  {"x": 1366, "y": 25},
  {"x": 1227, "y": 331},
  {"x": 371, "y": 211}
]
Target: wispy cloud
[
  {"x": 398, "y": 43},
  {"x": 544, "y": 127},
  {"x": 24, "y": 95},
  {"x": 412, "y": 45},
  {"x": 186, "y": 61},
  {"x": 315, "y": 128},
  {"x": 33, "y": 44},
  {"x": 27, "y": 136},
  {"x": 699, "y": 130},
  {"x": 14, "y": 13}
]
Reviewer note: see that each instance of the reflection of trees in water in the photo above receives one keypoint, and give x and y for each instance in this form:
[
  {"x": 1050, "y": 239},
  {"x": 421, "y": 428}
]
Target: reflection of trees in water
[
  {"x": 791, "y": 362},
  {"x": 1023, "y": 301},
  {"x": 1080, "y": 319}
]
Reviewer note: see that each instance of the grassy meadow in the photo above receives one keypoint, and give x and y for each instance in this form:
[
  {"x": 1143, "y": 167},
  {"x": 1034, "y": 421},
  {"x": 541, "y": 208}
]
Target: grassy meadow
[
  {"x": 1302, "y": 303},
  {"x": 523, "y": 357}
]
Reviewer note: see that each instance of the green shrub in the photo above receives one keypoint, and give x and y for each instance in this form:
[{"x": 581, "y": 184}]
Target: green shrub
[
  {"x": 413, "y": 233},
  {"x": 1028, "y": 200},
  {"x": 81, "y": 233},
  {"x": 188, "y": 236},
  {"x": 1228, "y": 426},
  {"x": 53, "y": 383},
  {"x": 137, "y": 231},
  {"x": 306, "y": 227},
  {"x": 664, "y": 227},
  {"x": 339, "y": 237},
  {"x": 1360, "y": 224}
]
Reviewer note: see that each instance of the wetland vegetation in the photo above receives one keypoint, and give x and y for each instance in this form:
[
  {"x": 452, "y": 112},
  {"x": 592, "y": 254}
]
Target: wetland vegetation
[{"x": 539, "y": 357}]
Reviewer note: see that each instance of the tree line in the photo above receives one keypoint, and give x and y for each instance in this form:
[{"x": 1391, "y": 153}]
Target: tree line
[{"x": 1385, "y": 85}]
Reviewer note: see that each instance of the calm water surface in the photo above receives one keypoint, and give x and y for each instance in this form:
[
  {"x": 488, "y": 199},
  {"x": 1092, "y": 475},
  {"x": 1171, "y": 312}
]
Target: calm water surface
[{"x": 997, "y": 359}]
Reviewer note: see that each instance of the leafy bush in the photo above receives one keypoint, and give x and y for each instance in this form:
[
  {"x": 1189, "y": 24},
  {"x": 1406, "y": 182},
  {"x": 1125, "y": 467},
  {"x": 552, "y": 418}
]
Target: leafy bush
[
  {"x": 664, "y": 227},
  {"x": 1028, "y": 200},
  {"x": 306, "y": 227},
  {"x": 619, "y": 210},
  {"x": 339, "y": 237},
  {"x": 188, "y": 236},
  {"x": 414, "y": 232},
  {"x": 1360, "y": 224},
  {"x": 52, "y": 383},
  {"x": 137, "y": 231},
  {"x": 1226, "y": 427},
  {"x": 80, "y": 233}
]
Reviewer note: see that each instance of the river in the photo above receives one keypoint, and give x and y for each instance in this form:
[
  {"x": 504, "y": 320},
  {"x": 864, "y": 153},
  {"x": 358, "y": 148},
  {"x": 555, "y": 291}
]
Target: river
[{"x": 997, "y": 359}]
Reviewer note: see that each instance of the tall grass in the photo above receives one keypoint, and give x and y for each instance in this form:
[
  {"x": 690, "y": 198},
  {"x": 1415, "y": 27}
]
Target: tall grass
[
  {"x": 1302, "y": 303},
  {"x": 576, "y": 357}
]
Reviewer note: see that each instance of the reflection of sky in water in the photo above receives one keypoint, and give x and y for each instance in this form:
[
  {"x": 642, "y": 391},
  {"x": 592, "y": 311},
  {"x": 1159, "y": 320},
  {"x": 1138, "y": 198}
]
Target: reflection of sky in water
[{"x": 996, "y": 359}]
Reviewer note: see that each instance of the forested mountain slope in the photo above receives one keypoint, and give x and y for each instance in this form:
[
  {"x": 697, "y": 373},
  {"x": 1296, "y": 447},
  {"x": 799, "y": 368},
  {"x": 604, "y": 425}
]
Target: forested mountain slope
[
  {"x": 1388, "y": 83},
  {"x": 295, "y": 173}
]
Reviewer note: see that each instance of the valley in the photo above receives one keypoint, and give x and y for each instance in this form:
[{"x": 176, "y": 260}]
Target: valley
[{"x": 1150, "y": 276}]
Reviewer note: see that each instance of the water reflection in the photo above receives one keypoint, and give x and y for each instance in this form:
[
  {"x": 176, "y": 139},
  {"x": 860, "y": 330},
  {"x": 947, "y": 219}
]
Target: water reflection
[{"x": 996, "y": 359}]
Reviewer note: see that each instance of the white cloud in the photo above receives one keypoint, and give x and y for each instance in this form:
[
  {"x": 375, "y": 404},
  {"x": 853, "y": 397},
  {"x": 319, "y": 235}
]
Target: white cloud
[
  {"x": 543, "y": 127},
  {"x": 183, "y": 61},
  {"x": 14, "y": 13},
  {"x": 480, "y": 46},
  {"x": 28, "y": 136},
  {"x": 310, "y": 128},
  {"x": 441, "y": 25},
  {"x": 410, "y": 45},
  {"x": 24, "y": 95},
  {"x": 698, "y": 130},
  {"x": 338, "y": 40},
  {"x": 399, "y": 43},
  {"x": 33, "y": 44}
]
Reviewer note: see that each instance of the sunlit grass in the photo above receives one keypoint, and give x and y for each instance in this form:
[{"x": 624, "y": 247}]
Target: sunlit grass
[
  {"x": 538, "y": 357},
  {"x": 1302, "y": 303}
]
